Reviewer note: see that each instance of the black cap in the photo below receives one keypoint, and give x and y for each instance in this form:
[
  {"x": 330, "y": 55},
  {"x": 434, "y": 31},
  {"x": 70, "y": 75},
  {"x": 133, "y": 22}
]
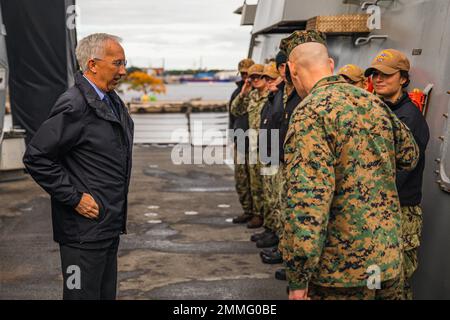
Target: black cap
[{"x": 280, "y": 58}]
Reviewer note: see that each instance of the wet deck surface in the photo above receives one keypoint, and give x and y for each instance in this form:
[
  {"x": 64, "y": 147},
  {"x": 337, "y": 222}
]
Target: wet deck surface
[{"x": 180, "y": 245}]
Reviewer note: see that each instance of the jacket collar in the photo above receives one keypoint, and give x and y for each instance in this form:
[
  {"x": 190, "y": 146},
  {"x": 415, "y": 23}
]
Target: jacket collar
[
  {"x": 100, "y": 107},
  {"x": 404, "y": 99},
  {"x": 281, "y": 86},
  {"x": 280, "y": 90},
  {"x": 293, "y": 92},
  {"x": 328, "y": 81}
]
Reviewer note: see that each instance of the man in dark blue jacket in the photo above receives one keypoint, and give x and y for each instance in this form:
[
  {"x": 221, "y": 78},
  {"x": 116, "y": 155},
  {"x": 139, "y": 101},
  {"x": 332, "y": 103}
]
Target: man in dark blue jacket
[
  {"x": 390, "y": 74},
  {"x": 81, "y": 156}
]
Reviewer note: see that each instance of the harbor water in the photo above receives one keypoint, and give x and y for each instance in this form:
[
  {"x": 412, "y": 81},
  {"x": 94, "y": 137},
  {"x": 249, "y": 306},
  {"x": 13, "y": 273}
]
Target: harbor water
[{"x": 174, "y": 128}]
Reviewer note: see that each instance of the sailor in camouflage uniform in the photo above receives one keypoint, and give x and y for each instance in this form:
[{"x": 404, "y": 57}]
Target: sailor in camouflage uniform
[
  {"x": 354, "y": 75},
  {"x": 342, "y": 229},
  {"x": 251, "y": 101},
  {"x": 241, "y": 168},
  {"x": 390, "y": 72},
  {"x": 269, "y": 128},
  {"x": 282, "y": 105}
]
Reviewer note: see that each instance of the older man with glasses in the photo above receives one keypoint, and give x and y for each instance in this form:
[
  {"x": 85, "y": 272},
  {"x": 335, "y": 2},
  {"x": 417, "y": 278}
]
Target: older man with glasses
[{"x": 81, "y": 156}]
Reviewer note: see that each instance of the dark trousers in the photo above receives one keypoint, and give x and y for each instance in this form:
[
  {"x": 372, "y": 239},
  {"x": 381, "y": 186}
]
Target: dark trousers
[{"x": 90, "y": 272}]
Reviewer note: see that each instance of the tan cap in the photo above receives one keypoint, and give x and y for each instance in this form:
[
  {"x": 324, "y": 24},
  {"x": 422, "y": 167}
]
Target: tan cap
[
  {"x": 271, "y": 71},
  {"x": 256, "y": 69},
  {"x": 389, "y": 61},
  {"x": 353, "y": 72},
  {"x": 245, "y": 64}
]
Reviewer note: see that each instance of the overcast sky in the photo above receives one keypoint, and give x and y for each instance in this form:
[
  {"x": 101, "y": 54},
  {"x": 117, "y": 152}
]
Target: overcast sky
[{"x": 183, "y": 32}]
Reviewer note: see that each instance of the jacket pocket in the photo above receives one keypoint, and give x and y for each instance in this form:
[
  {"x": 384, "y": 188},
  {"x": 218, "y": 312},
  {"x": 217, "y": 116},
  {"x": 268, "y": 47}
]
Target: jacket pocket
[{"x": 101, "y": 210}]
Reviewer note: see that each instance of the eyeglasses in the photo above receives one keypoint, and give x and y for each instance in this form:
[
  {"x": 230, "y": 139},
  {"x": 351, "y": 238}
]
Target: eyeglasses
[{"x": 116, "y": 63}]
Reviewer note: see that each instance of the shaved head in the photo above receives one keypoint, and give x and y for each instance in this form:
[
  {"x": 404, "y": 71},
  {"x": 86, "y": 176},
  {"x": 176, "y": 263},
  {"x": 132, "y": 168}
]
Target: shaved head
[
  {"x": 310, "y": 55},
  {"x": 309, "y": 63}
]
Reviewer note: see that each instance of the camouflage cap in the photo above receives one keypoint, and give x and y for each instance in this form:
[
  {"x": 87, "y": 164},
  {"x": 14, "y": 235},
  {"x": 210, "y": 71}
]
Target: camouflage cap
[
  {"x": 245, "y": 64},
  {"x": 353, "y": 72},
  {"x": 256, "y": 69},
  {"x": 271, "y": 71},
  {"x": 300, "y": 37},
  {"x": 389, "y": 61}
]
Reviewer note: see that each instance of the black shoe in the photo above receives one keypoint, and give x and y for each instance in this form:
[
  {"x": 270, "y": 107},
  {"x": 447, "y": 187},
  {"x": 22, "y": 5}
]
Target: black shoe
[
  {"x": 268, "y": 251},
  {"x": 255, "y": 237},
  {"x": 280, "y": 274},
  {"x": 244, "y": 218},
  {"x": 255, "y": 222},
  {"x": 269, "y": 240},
  {"x": 273, "y": 258}
]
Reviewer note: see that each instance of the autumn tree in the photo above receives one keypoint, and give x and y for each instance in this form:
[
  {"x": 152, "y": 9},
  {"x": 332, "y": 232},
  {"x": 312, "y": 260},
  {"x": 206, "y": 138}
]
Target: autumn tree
[{"x": 142, "y": 81}]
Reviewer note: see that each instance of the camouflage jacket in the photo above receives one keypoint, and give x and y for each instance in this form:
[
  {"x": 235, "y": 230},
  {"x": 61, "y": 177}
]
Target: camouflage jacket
[
  {"x": 252, "y": 105},
  {"x": 343, "y": 214}
]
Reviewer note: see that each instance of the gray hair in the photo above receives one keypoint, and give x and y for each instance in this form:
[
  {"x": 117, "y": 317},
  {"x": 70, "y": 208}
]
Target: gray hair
[{"x": 93, "y": 46}]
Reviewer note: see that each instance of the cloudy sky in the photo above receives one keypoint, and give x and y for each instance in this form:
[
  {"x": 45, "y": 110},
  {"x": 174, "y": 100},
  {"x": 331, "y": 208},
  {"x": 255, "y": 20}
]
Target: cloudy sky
[{"x": 184, "y": 33}]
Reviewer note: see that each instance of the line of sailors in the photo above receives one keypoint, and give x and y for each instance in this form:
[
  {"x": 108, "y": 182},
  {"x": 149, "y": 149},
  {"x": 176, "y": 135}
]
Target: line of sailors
[{"x": 266, "y": 98}]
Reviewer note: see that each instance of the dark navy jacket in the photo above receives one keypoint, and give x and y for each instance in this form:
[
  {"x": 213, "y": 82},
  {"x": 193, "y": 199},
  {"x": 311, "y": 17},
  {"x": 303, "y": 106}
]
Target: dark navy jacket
[
  {"x": 409, "y": 184},
  {"x": 83, "y": 148}
]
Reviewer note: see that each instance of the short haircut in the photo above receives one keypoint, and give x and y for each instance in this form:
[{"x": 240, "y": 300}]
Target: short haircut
[{"x": 93, "y": 46}]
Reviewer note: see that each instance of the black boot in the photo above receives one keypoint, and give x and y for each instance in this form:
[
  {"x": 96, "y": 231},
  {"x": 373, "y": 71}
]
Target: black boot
[
  {"x": 257, "y": 236},
  {"x": 272, "y": 258},
  {"x": 280, "y": 274},
  {"x": 244, "y": 218},
  {"x": 255, "y": 222},
  {"x": 268, "y": 251},
  {"x": 270, "y": 240}
]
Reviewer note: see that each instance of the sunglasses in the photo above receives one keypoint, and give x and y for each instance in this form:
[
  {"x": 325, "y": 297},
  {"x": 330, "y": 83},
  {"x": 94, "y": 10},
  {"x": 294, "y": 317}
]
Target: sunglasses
[
  {"x": 267, "y": 78},
  {"x": 255, "y": 77}
]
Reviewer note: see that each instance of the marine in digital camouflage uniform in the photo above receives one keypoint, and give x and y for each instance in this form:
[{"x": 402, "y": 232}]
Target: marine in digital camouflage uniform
[
  {"x": 252, "y": 104},
  {"x": 343, "y": 212}
]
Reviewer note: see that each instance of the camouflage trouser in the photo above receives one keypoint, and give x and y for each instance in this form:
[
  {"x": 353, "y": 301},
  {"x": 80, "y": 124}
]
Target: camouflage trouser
[
  {"x": 242, "y": 180},
  {"x": 272, "y": 198},
  {"x": 256, "y": 188},
  {"x": 411, "y": 231},
  {"x": 256, "y": 178},
  {"x": 390, "y": 290}
]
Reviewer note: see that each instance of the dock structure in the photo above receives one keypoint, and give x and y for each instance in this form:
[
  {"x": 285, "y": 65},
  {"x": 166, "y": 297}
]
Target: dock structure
[{"x": 178, "y": 106}]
